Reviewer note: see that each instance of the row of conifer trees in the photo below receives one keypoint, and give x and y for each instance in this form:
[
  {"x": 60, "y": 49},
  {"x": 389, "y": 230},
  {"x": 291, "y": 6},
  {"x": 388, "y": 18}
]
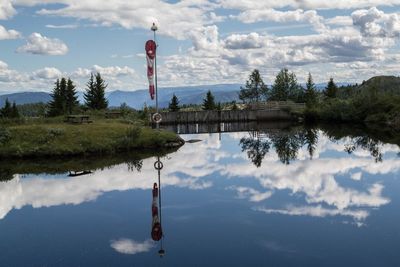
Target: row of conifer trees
[{"x": 65, "y": 99}]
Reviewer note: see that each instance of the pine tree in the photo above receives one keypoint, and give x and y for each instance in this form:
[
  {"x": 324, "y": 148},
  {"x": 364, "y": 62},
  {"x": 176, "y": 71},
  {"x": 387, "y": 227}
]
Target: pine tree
[
  {"x": 209, "y": 102},
  {"x": 254, "y": 90},
  {"x": 89, "y": 95},
  {"x": 14, "y": 111},
  {"x": 331, "y": 89},
  {"x": 100, "y": 85},
  {"x": 6, "y": 111},
  {"x": 286, "y": 87},
  {"x": 71, "y": 97},
  {"x": 310, "y": 93},
  {"x": 55, "y": 105},
  {"x": 174, "y": 104},
  {"x": 95, "y": 92},
  {"x": 63, "y": 95}
]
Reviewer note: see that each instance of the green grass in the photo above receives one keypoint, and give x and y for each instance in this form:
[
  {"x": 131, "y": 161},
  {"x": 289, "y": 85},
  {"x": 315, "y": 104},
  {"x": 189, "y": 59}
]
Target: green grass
[{"x": 54, "y": 138}]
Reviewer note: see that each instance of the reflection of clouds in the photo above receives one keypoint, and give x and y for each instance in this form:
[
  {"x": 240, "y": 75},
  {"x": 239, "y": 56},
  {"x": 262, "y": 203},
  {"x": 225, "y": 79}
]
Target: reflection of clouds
[
  {"x": 356, "y": 176},
  {"x": 129, "y": 246},
  {"x": 194, "y": 165},
  {"x": 316, "y": 179},
  {"x": 250, "y": 193},
  {"x": 317, "y": 211}
]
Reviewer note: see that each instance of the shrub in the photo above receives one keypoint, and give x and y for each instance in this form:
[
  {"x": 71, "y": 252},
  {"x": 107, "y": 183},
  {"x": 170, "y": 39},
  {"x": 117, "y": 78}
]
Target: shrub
[{"x": 5, "y": 135}]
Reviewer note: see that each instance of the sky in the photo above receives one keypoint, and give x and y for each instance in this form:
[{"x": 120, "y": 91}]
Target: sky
[{"x": 200, "y": 42}]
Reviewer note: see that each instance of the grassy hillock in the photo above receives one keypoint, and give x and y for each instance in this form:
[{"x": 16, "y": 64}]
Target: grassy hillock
[
  {"x": 375, "y": 101},
  {"x": 55, "y": 138}
]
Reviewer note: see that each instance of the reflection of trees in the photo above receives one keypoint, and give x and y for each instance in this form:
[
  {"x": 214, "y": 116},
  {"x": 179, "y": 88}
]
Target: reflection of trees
[
  {"x": 287, "y": 145},
  {"x": 135, "y": 164},
  {"x": 311, "y": 140},
  {"x": 6, "y": 175},
  {"x": 256, "y": 148},
  {"x": 364, "y": 142}
]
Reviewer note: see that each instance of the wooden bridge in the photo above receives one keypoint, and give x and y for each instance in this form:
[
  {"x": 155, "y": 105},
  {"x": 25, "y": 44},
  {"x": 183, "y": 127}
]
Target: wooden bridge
[{"x": 268, "y": 111}]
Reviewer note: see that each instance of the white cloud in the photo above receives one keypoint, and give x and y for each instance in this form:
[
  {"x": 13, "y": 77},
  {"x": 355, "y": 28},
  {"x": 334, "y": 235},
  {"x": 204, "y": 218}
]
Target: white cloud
[
  {"x": 3, "y": 65},
  {"x": 48, "y": 73},
  {"x": 250, "y": 193},
  {"x": 269, "y": 14},
  {"x": 356, "y": 176},
  {"x": 8, "y": 34},
  {"x": 174, "y": 19},
  {"x": 317, "y": 211},
  {"x": 6, "y": 9},
  {"x": 42, "y": 45},
  {"x": 129, "y": 246},
  {"x": 375, "y": 23},
  {"x": 65, "y": 26},
  {"x": 304, "y": 4}
]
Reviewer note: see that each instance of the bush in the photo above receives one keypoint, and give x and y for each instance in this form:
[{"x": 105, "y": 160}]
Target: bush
[{"x": 5, "y": 135}]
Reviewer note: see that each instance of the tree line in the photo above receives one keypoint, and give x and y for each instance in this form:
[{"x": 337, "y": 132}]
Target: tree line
[
  {"x": 284, "y": 88},
  {"x": 65, "y": 100}
]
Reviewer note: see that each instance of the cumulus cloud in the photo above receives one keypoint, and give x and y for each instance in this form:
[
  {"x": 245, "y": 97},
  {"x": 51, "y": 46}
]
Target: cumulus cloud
[
  {"x": 175, "y": 19},
  {"x": 299, "y": 15},
  {"x": 305, "y": 4},
  {"x": 47, "y": 73},
  {"x": 6, "y": 9},
  {"x": 8, "y": 34},
  {"x": 132, "y": 247},
  {"x": 376, "y": 23},
  {"x": 42, "y": 45}
]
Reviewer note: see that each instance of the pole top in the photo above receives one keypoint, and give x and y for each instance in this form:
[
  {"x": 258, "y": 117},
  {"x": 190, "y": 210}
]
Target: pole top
[{"x": 154, "y": 27}]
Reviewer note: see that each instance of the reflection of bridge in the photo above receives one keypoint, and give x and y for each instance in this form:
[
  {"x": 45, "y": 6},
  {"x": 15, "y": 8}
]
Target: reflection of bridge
[{"x": 225, "y": 127}]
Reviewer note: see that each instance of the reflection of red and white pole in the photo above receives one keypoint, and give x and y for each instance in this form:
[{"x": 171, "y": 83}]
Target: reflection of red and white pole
[{"x": 156, "y": 230}]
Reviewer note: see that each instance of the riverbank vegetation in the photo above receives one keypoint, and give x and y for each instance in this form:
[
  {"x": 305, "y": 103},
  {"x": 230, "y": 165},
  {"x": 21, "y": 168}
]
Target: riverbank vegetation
[
  {"x": 45, "y": 138},
  {"x": 50, "y": 130}
]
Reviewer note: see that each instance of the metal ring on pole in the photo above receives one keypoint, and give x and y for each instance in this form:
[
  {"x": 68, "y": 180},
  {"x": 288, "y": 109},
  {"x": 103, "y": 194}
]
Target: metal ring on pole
[
  {"x": 158, "y": 165},
  {"x": 157, "y": 118}
]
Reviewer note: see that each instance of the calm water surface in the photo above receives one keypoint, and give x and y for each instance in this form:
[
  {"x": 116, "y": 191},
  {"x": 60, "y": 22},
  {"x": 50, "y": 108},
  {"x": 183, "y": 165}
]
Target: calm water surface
[{"x": 298, "y": 197}]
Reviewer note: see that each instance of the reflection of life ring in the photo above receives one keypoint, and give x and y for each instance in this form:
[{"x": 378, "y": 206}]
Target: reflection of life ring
[{"x": 157, "y": 117}]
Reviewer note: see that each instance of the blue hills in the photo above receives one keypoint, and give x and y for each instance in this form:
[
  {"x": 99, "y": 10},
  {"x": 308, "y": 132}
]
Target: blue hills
[{"x": 137, "y": 99}]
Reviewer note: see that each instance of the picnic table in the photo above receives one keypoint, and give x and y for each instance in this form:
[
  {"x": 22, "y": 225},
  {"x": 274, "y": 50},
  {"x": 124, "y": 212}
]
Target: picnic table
[{"x": 78, "y": 119}]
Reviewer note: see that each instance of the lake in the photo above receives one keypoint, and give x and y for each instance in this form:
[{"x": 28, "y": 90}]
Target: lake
[{"x": 269, "y": 195}]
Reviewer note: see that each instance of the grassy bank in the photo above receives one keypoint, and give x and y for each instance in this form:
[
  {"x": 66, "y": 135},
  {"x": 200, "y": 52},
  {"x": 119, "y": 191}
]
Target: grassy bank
[{"x": 55, "y": 138}]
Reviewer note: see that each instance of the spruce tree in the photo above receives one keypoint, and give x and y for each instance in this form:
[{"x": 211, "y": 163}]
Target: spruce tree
[
  {"x": 63, "y": 96},
  {"x": 174, "y": 104},
  {"x": 254, "y": 90},
  {"x": 55, "y": 105},
  {"x": 310, "y": 93},
  {"x": 95, "y": 92},
  {"x": 6, "y": 111},
  {"x": 100, "y": 85},
  {"x": 71, "y": 97},
  {"x": 14, "y": 111},
  {"x": 209, "y": 102},
  {"x": 331, "y": 89},
  {"x": 89, "y": 95}
]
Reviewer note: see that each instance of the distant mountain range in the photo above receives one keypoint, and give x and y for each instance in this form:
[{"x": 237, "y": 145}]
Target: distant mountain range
[{"x": 137, "y": 99}]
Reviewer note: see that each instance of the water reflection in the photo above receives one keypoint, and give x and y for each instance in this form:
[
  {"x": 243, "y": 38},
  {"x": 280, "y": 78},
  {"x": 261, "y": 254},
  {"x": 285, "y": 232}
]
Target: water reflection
[
  {"x": 293, "y": 180},
  {"x": 287, "y": 143}
]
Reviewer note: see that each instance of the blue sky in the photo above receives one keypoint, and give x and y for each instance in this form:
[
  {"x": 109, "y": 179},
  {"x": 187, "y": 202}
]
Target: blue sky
[{"x": 200, "y": 41}]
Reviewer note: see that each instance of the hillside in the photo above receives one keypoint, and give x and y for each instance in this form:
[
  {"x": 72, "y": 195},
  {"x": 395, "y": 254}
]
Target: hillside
[
  {"x": 383, "y": 84},
  {"x": 136, "y": 99},
  {"x": 25, "y": 98}
]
